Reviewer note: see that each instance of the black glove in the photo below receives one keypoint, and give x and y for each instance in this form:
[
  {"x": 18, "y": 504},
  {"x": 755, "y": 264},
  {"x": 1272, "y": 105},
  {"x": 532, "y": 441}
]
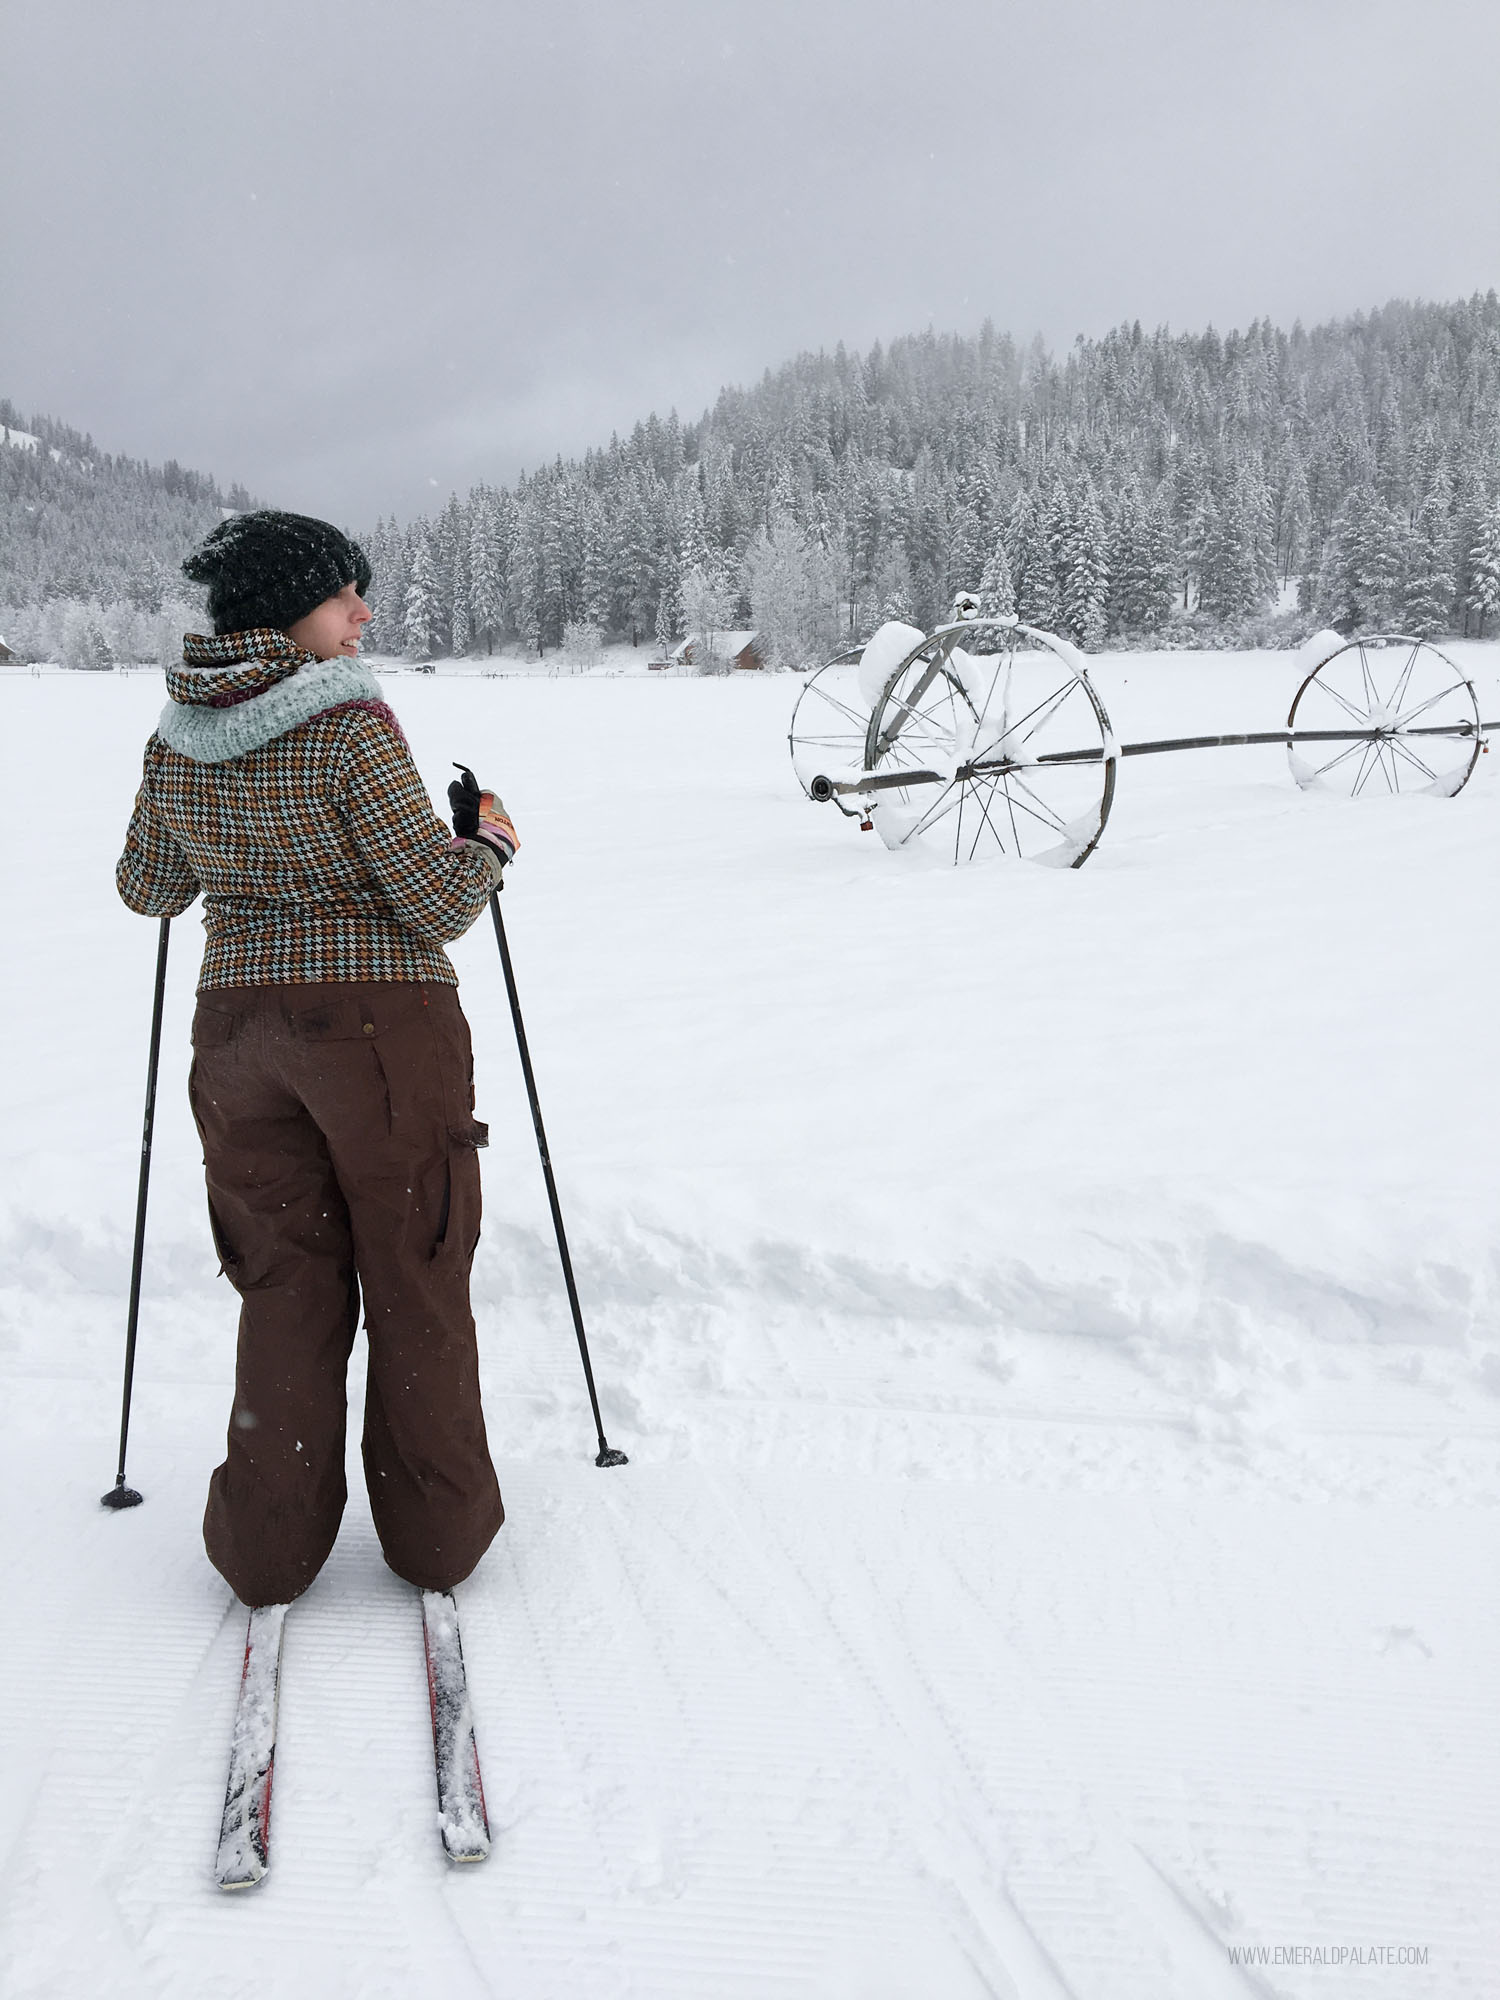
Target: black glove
[
  {"x": 463, "y": 803},
  {"x": 480, "y": 816}
]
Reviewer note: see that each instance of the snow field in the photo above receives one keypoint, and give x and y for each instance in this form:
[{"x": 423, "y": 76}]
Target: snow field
[{"x": 1052, "y": 1317}]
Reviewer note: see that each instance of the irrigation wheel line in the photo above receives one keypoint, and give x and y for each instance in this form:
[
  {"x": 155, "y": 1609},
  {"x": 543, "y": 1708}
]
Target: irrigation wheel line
[{"x": 965, "y": 753}]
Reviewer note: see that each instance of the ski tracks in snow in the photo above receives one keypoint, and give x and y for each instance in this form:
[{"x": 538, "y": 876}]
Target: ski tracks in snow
[
  {"x": 840, "y": 1736},
  {"x": 1020, "y": 1854},
  {"x": 765, "y": 1733},
  {"x": 110, "y": 1887}
]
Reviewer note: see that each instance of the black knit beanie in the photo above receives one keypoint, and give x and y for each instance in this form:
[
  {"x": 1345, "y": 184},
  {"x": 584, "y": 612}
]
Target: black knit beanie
[{"x": 270, "y": 569}]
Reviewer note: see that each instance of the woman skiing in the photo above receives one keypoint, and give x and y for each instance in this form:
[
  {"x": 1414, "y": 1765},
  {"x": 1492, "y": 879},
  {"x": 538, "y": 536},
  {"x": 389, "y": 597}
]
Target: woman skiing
[{"x": 332, "y": 1077}]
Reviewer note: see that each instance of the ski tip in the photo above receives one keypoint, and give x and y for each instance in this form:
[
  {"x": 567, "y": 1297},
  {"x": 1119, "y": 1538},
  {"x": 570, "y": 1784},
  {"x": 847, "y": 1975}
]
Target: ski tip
[
  {"x": 240, "y": 1867},
  {"x": 231, "y": 1883},
  {"x": 609, "y": 1456},
  {"x": 463, "y": 1853}
]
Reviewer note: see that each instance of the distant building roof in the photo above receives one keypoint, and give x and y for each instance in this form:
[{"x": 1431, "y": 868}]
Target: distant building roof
[{"x": 728, "y": 644}]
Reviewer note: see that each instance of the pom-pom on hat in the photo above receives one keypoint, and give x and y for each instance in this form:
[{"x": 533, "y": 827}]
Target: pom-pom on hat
[{"x": 269, "y": 569}]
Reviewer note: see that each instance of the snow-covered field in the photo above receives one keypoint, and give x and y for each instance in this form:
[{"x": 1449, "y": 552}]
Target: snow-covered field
[{"x": 1054, "y": 1319}]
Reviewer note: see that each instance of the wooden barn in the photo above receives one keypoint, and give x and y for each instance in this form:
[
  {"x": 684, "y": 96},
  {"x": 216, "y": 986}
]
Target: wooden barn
[{"x": 740, "y": 649}]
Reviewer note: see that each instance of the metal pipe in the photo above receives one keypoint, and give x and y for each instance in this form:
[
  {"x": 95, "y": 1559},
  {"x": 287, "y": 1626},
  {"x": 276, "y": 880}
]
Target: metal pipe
[{"x": 823, "y": 788}]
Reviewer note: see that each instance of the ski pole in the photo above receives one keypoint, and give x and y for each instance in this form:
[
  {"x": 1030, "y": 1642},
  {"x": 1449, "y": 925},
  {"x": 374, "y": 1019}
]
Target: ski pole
[
  {"x": 607, "y": 1456},
  {"x": 121, "y": 1495}
]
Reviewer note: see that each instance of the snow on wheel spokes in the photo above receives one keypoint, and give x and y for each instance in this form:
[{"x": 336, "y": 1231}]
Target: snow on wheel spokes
[
  {"x": 1011, "y": 751},
  {"x": 1421, "y": 707}
]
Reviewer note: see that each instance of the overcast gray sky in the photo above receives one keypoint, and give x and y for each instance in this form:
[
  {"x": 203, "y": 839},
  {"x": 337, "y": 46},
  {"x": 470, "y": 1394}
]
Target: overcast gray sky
[{"x": 358, "y": 253}]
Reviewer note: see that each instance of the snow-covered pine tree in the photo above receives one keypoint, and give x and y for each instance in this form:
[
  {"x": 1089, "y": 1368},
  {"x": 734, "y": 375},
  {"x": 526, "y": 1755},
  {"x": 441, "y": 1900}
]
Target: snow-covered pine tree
[
  {"x": 525, "y": 584},
  {"x": 1471, "y": 501},
  {"x": 868, "y": 528},
  {"x": 1142, "y": 563},
  {"x": 643, "y": 551},
  {"x": 1259, "y": 512},
  {"x": 1029, "y": 554},
  {"x": 449, "y": 560},
  {"x": 1235, "y": 561},
  {"x": 1126, "y": 534},
  {"x": 420, "y": 611},
  {"x": 1294, "y": 519},
  {"x": 149, "y": 584},
  {"x": 925, "y": 533},
  {"x": 890, "y": 591},
  {"x": 1364, "y": 561},
  {"x": 126, "y": 632},
  {"x": 691, "y": 534},
  {"x": 1081, "y": 560},
  {"x": 553, "y": 607},
  {"x": 461, "y": 634},
  {"x": 997, "y": 599},
  {"x": 1157, "y": 576},
  {"x": 970, "y": 534},
  {"x": 486, "y": 573},
  {"x": 1200, "y": 542},
  {"x": 1428, "y": 586},
  {"x": 707, "y": 606},
  {"x": 84, "y": 644},
  {"x": 793, "y": 601},
  {"x": 1482, "y": 598},
  {"x": 392, "y": 566},
  {"x": 460, "y": 618},
  {"x": 582, "y": 644},
  {"x": 669, "y": 616},
  {"x": 594, "y": 566}
]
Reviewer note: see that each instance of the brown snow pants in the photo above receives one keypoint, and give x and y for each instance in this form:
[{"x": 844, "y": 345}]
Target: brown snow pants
[{"x": 340, "y": 1145}]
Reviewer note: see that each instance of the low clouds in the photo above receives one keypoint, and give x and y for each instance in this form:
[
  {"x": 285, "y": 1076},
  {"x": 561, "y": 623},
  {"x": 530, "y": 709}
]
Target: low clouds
[{"x": 344, "y": 249}]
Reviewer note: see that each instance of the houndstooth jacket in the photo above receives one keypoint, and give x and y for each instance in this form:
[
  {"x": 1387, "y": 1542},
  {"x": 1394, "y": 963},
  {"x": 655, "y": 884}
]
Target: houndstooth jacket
[{"x": 281, "y": 788}]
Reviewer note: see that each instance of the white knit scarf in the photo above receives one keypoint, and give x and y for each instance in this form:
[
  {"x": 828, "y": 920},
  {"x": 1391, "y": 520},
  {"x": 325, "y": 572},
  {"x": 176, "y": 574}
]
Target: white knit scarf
[{"x": 215, "y": 735}]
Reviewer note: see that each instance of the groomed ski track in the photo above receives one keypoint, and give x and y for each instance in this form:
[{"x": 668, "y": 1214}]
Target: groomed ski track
[{"x": 1059, "y": 1543}]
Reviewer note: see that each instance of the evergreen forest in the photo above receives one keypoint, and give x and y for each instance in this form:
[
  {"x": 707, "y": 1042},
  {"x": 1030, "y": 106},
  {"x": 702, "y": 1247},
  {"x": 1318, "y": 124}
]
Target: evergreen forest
[{"x": 1144, "y": 489}]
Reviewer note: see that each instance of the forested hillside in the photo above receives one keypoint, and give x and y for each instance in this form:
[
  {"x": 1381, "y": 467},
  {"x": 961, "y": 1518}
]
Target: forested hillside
[
  {"x": 1146, "y": 488},
  {"x": 97, "y": 538}
]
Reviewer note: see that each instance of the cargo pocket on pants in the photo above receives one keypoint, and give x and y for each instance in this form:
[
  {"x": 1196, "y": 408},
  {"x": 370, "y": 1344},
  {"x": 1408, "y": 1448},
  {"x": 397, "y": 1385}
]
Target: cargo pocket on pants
[
  {"x": 229, "y": 1263},
  {"x": 458, "y": 1215}
]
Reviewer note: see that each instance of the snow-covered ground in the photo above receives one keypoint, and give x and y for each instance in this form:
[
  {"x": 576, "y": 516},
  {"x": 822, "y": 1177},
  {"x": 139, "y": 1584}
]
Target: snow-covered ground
[{"x": 1054, "y": 1319}]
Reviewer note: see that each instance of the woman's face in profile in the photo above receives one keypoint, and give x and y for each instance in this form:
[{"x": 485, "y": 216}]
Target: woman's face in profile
[{"x": 334, "y": 627}]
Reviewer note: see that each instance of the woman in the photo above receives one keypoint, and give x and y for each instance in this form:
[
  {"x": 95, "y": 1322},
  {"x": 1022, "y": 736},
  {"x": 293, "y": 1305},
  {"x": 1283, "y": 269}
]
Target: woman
[{"x": 332, "y": 1077}]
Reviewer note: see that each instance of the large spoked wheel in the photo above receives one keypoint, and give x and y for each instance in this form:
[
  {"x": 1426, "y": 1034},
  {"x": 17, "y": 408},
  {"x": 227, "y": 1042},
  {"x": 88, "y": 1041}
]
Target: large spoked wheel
[
  {"x": 1416, "y": 713},
  {"x": 1010, "y": 752},
  {"x": 827, "y": 733}
]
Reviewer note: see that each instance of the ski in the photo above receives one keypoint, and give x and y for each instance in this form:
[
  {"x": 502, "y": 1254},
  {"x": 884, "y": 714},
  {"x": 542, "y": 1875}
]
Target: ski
[
  {"x": 461, "y": 1815},
  {"x": 245, "y": 1836}
]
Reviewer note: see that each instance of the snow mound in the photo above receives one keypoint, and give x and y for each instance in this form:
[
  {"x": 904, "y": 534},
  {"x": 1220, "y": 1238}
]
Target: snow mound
[
  {"x": 888, "y": 646},
  {"x": 1317, "y": 650}
]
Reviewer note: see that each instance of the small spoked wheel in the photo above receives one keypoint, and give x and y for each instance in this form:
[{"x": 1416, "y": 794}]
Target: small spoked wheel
[
  {"x": 1385, "y": 714},
  {"x": 1010, "y": 752},
  {"x": 828, "y": 726}
]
